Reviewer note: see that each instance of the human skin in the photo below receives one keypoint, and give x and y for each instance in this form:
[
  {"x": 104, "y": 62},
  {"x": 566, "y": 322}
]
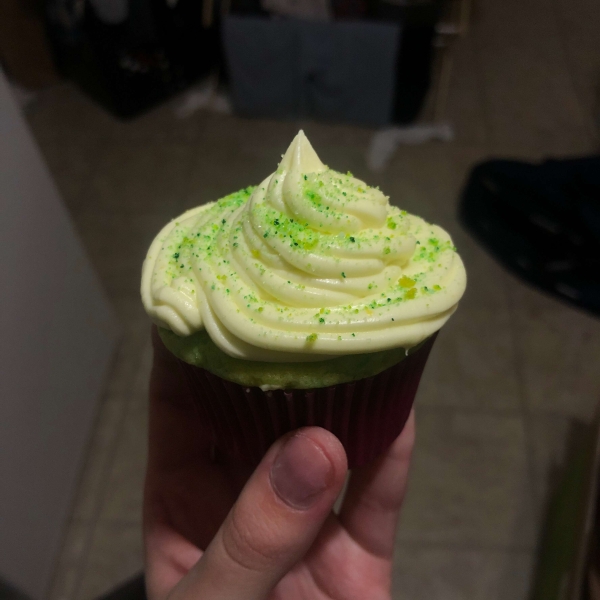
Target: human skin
[{"x": 218, "y": 531}]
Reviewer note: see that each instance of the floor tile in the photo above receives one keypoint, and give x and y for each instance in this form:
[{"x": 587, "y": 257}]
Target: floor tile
[
  {"x": 122, "y": 382},
  {"x": 72, "y": 163},
  {"x": 123, "y": 489},
  {"x": 433, "y": 573},
  {"x": 98, "y": 460},
  {"x": 558, "y": 348},
  {"x": 426, "y": 180},
  {"x": 63, "y": 112},
  {"x": 142, "y": 177},
  {"x": 554, "y": 439},
  {"x": 141, "y": 381},
  {"x": 527, "y": 87},
  {"x": 114, "y": 556},
  {"x": 66, "y": 579},
  {"x": 234, "y": 153},
  {"x": 117, "y": 245},
  {"x": 579, "y": 22},
  {"x": 123, "y": 492},
  {"x": 472, "y": 363},
  {"x": 72, "y": 556},
  {"x": 464, "y": 106},
  {"x": 469, "y": 481},
  {"x": 161, "y": 124}
]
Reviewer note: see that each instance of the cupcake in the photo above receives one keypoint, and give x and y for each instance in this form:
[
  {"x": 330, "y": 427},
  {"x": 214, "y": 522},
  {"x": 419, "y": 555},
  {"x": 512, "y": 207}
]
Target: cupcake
[{"x": 306, "y": 300}]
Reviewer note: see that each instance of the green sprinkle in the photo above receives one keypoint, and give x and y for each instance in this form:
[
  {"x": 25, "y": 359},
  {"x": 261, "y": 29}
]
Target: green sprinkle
[
  {"x": 352, "y": 239},
  {"x": 312, "y": 337},
  {"x": 353, "y": 335},
  {"x": 321, "y": 320},
  {"x": 176, "y": 255},
  {"x": 343, "y": 275}
]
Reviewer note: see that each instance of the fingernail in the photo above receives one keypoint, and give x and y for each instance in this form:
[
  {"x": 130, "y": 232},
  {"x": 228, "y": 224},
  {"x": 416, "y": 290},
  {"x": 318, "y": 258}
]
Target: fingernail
[{"x": 300, "y": 473}]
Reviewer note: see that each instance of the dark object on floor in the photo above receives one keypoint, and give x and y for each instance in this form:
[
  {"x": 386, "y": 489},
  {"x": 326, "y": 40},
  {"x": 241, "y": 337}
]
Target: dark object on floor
[
  {"x": 134, "y": 589},
  {"x": 542, "y": 222},
  {"x": 158, "y": 49}
]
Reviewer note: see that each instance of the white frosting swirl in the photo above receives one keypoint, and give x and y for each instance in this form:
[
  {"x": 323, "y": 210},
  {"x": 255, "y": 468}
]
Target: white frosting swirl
[{"x": 309, "y": 264}]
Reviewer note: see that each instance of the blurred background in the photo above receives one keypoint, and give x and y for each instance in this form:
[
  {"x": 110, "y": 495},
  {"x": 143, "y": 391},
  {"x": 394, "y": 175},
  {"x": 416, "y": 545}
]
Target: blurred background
[{"x": 117, "y": 115}]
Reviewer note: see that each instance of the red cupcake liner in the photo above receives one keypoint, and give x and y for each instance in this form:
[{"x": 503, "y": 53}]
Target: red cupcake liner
[{"x": 365, "y": 415}]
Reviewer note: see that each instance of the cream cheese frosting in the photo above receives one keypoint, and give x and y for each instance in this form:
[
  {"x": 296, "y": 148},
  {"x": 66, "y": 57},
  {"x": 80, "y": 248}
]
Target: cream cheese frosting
[{"x": 308, "y": 265}]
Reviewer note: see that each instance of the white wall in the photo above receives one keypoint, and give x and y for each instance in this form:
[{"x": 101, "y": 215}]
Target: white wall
[{"x": 57, "y": 334}]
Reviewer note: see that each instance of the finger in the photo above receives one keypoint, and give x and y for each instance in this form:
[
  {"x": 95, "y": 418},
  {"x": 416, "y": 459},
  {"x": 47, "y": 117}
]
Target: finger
[
  {"x": 375, "y": 494},
  {"x": 274, "y": 522}
]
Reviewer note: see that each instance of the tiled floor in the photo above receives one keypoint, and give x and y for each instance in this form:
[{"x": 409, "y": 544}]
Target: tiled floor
[{"x": 508, "y": 374}]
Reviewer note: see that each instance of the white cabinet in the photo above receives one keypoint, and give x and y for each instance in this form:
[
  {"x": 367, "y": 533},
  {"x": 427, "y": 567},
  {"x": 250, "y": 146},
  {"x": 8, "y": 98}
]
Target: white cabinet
[{"x": 57, "y": 336}]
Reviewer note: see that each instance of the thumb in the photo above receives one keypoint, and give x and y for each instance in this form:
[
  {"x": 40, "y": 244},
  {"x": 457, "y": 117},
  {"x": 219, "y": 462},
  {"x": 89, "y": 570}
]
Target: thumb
[{"x": 274, "y": 521}]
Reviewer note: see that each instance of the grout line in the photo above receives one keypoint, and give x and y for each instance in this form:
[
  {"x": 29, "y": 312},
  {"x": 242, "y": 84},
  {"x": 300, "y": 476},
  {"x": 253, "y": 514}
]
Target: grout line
[
  {"x": 122, "y": 522},
  {"x": 84, "y": 195},
  {"x": 494, "y": 412},
  {"x": 500, "y": 412},
  {"x": 568, "y": 66},
  {"x": 70, "y": 519},
  {"x": 103, "y": 489},
  {"x": 526, "y": 411},
  {"x": 465, "y": 546}
]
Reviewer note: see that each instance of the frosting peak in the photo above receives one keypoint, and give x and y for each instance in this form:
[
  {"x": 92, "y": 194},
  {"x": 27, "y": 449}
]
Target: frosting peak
[
  {"x": 310, "y": 263},
  {"x": 306, "y": 189},
  {"x": 301, "y": 157}
]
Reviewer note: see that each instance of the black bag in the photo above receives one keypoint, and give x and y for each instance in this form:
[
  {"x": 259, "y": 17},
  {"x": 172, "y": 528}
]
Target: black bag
[{"x": 542, "y": 222}]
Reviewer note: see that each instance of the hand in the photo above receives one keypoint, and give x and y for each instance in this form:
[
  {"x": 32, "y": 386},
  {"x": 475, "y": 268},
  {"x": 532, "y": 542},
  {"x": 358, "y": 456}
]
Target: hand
[{"x": 215, "y": 531}]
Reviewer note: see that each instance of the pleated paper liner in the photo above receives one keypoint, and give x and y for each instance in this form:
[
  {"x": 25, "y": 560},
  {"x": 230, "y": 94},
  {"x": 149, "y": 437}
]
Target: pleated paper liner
[{"x": 365, "y": 415}]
